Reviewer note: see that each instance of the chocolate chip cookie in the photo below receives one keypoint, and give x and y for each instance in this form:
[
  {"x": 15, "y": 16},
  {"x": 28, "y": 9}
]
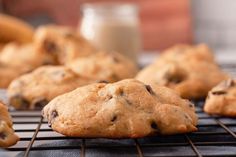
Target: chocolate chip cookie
[
  {"x": 104, "y": 66},
  {"x": 7, "y": 135},
  {"x": 62, "y": 42},
  {"x": 192, "y": 76},
  {"x": 16, "y": 60},
  {"x": 36, "y": 89},
  {"x": 125, "y": 109},
  {"x": 221, "y": 99}
]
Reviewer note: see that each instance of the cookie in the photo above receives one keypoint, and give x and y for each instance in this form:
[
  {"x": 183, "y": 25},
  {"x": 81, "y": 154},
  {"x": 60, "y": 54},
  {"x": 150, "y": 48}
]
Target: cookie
[
  {"x": 104, "y": 66},
  {"x": 62, "y": 42},
  {"x": 13, "y": 29},
  {"x": 17, "y": 55},
  {"x": 221, "y": 99},
  {"x": 182, "y": 52},
  {"x": 125, "y": 109},
  {"x": 191, "y": 78},
  {"x": 7, "y": 135},
  {"x": 16, "y": 60},
  {"x": 36, "y": 89}
]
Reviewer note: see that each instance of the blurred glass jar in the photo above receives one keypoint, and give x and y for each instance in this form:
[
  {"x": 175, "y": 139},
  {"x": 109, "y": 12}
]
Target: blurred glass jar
[{"x": 112, "y": 27}]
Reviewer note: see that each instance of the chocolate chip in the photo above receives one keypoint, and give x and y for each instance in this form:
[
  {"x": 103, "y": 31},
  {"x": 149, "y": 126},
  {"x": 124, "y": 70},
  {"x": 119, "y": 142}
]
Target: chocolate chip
[
  {"x": 50, "y": 46},
  {"x": 121, "y": 92},
  {"x": 114, "y": 77},
  {"x": 128, "y": 102},
  {"x": 40, "y": 103},
  {"x": 47, "y": 62},
  {"x": 2, "y": 135},
  {"x": 102, "y": 81},
  {"x": 115, "y": 59},
  {"x": 218, "y": 92},
  {"x": 108, "y": 97},
  {"x": 191, "y": 105},
  {"x": 19, "y": 102},
  {"x": 54, "y": 114},
  {"x": 186, "y": 116},
  {"x": 149, "y": 89},
  {"x": 114, "y": 118},
  {"x": 175, "y": 80},
  {"x": 154, "y": 125},
  {"x": 174, "y": 77}
]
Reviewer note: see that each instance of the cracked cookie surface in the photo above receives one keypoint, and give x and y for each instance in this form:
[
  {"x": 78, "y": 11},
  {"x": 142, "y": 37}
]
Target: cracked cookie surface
[{"x": 125, "y": 109}]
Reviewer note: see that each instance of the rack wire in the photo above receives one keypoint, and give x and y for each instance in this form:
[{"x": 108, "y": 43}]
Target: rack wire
[{"x": 216, "y": 137}]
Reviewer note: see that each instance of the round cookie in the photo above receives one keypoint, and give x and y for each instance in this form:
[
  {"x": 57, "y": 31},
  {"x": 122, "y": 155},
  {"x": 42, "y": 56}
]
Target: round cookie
[
  {"x": 125, "y": 109},
  {"x": 62, "y": 42},
  {"x": 191, "y": 78},
  {"x": 188, "y": 78},
  {"x": 221, "y": 99},
  {"x": 7, "y": 135},
  {"x": 16, "y": 60},
  {"x": 13, "y": 29},
  {"x": 34, "y": 90},
  {"x": 104, "y": 66}
]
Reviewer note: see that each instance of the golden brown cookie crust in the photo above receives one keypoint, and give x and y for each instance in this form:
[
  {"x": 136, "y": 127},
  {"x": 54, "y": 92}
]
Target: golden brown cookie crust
[
  {"x": 34, "y": 90},
  {"x": 7, "y": 135},
  {"x": 182, "y": 52},
  {"x": 111, "y": 67},
  {"x": 125, "y": 109},
  {"x": 52, "y": 45},
  {"x": 16, "y": 59},
  {"x": 62, "y": 42},
  {"x": 191, "y": 73},
  {"x": 26, "y": 55},
  {"x": 221, "y": 99}
]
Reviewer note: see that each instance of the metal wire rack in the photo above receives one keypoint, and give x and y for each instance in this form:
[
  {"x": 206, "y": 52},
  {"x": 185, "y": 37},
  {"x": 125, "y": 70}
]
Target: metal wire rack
[{"x": 216, "y": 137}]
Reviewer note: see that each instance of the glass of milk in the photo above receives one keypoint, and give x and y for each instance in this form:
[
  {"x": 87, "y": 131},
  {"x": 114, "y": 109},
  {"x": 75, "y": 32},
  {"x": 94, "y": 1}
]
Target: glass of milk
[{"x": 113, "y": 27}]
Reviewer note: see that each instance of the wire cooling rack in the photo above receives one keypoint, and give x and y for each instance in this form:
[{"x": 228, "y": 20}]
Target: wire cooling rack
[{"x": 216, "y": 137}]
